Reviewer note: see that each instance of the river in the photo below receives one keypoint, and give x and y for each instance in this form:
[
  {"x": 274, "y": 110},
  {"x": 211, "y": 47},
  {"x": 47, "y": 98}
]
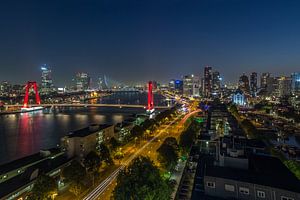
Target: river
[{"x": 26, "y": 133}]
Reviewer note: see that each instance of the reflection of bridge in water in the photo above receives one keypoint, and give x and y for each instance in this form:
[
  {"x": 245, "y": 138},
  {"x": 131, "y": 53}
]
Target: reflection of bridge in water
[{"x": 89, "y": 105}]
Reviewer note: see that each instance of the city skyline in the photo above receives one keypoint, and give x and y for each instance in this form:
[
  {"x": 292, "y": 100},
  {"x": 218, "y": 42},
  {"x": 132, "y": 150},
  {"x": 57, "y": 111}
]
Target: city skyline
[{"x": 148, "y": 40}]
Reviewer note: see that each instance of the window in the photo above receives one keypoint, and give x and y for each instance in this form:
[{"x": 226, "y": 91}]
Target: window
[
  {"x": 261, "y": 194},
  {"x": 210, "y": 184},
  {"x": 286, "y": 198},
  {"x": 244, "y": 190},
  {"x": 229, "y": 188}
]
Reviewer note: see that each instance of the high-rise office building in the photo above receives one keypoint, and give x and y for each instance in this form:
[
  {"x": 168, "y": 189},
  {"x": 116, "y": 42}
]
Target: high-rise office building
[
  {"x": 271, "y": 86},
  {"x": 253, "y": 84},
  {"x": 100, "y": 83},
  {"x": 5, "y": 88},
  {"x": 46, "y": 79},
  {"x": 188, "y": 85},
  {"x": 82, "y": 81},
  {"x": 179, "y": 86},
  {"x": 263, "y": 80},
  {"x": 172, "y": 85},
  {"x": 244, "y": 84},
  {"x": 207, "y": 88},
  {"x": 216, "y": 85},
  {"x": 196, "y": 86},
  {"x": 296, "y": 83},
  {"x": 284, "y": 86}
]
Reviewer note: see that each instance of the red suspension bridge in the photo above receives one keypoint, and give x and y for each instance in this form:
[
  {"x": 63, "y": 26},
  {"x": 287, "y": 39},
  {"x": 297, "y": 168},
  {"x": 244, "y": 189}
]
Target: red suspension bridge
[{"x": 33, "y": 85}]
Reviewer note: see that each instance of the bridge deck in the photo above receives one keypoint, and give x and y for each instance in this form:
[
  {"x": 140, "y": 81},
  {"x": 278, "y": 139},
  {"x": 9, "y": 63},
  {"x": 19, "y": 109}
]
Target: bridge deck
[{"x": 90, "y": 105}]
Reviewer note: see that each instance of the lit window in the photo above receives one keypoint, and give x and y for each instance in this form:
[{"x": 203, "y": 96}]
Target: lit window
[
  {"x": 261, "y": 194},
  {"x": 210, "y": 184},
  {"x": 229, "y": 188},
  {"x": 244, "y": 190}
]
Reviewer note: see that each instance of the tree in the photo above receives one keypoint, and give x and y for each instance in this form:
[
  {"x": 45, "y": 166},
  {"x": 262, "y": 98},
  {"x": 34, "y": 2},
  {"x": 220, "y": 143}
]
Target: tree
[
  {"x": 113, "y": 143},
  {"x": 141, "y": 180},
  {"x": 233, "y": 109},
  {"x": 188, "y": 137},
  {"x": 105, "y": 154},
  {"x": 136, "y": 131},
  {"x": 92, "y": 163},
  {"x": 75, "y": 174},
  {"x": 43, "y": 188},
  {"x": 249, "y": 128},
  {"x": 172, "y": 142},
  {"x": 168, "y": 154}
]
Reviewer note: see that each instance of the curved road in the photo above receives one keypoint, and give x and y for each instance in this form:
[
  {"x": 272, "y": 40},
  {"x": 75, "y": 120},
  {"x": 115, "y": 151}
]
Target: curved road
[{"x": 105, "y": 184}]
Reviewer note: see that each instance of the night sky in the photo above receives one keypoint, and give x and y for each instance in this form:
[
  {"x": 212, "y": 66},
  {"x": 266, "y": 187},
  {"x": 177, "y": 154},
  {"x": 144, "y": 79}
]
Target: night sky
[{"x": 138, "y": 40}]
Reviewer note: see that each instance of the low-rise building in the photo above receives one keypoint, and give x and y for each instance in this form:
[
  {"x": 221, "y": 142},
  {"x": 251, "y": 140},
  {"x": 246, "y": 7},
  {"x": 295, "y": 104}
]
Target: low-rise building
[
  {"x": 80, "y": 142},
  {"x": 266, "y": 178},
  {"x": 18, "y": 177}
]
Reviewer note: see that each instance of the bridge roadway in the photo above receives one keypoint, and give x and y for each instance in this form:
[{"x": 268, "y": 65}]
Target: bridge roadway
[{"x": 90, "y": 105}]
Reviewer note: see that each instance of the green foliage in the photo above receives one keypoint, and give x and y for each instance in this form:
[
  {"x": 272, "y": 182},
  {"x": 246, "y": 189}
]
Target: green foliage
[
  {"x": 233, "y": 109},
  {"x": 293, "y": 166},
  {"x": 141, "y": 180},
  {"x": 172, "y": 142},
  {"x": 105, "y": 154},
  {"x": 75, "y": 173},
  {"x": 249, "y": 128},
  {"x": 136, "y": 131},
  {"x": 290, "y": 115},
  {"x": 188, "y": 137},
  {"x": 43, "y": 188},
  {"x": 113, "y": 143},
  {"x": 168, "y": 153},
  {"x": 92, "y": 163}
]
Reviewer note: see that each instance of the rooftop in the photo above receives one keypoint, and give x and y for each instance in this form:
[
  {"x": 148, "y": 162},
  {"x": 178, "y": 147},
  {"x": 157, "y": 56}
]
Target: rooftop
[
  {"x": 263, "y": 170},
  {"x": 88, "y": 130},
  {"x": 16, "y": 164},
  {"x": 19, "y": 181}
]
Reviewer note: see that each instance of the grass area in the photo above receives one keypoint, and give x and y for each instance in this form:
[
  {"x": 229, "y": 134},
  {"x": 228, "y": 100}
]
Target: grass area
[{"x": 293, "y": 166}]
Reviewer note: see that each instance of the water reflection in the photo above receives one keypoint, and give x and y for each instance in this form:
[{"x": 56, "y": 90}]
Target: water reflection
[{"x": 27, "y": 133}]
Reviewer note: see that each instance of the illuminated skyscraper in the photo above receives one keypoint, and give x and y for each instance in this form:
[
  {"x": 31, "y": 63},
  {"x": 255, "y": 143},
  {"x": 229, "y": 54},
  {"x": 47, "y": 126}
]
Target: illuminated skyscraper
[
  {"x": 216, "y": 85},
  {"x": 263, "y": 80},
  {"x": 284, "y": 86},
  {"x": 172, "y": 85},
  {"x": 296, "y": 83},
  {"x": 207, "y": 89},
  {"x": 244, "y": 84},
  {"x": 196, "y": 86},
  {"x": 253, "y": 84},
  {"x": 188, "y": 85},
  {"x": 100, "y": 83},
  {"x": 46, "y": 79},
  {"x": 82, "y": 81},
  {"x": 179, "y": 86}
]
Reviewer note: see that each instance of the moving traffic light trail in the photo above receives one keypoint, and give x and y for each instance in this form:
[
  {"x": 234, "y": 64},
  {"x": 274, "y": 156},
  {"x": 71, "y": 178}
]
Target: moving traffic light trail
[{"x": 29, "y": 85}]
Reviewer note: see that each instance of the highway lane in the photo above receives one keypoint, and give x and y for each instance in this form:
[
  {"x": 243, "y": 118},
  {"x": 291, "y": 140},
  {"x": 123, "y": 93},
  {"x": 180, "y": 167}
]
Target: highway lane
[{"x": 106, "y": 183}]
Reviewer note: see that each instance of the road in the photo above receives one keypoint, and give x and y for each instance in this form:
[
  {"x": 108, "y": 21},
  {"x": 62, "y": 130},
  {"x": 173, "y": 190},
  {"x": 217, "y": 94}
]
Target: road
[{"x": 146, "y": 148}]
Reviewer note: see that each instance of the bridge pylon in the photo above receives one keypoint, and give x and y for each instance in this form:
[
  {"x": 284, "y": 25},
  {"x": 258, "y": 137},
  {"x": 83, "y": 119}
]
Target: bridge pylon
[
  {"x": 150, "y": 105},
  {"x": 29, "y": 85}
]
